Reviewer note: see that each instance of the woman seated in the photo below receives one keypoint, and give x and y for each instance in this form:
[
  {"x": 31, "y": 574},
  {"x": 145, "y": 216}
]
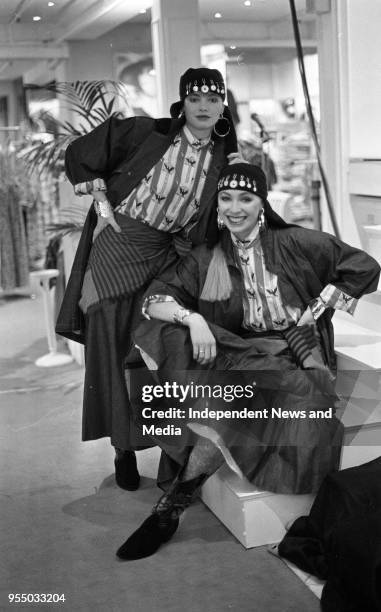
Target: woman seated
[{"x": 259, "y": 305}]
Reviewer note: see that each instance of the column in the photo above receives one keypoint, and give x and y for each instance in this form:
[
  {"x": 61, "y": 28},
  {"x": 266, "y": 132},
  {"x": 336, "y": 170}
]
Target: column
[
  {"x": 350, "y": 85},
  {"x": 176, "y": 46},
  {"x": 334, "y": 113}
]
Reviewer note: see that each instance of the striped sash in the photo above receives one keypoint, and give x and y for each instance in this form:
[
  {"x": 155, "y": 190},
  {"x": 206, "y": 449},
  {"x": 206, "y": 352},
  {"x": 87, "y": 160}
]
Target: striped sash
[{"x": 121, "y": 263}]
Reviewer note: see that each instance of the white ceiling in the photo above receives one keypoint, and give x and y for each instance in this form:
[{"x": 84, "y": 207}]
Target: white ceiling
[{"x": 24, "y": 41}]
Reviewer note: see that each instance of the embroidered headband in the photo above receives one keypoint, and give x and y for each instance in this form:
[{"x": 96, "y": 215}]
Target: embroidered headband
[
  {"x": 243, "y": 177},
  {"x": 202, "y": 80}
]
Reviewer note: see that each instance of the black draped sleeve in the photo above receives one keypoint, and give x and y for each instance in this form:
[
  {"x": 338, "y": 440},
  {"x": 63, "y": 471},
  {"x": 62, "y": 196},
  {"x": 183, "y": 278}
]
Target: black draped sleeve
[
  {"x": 90, "y": 159},
  {"x": 182, "y": 283},
  {"x": 351, "y": 270}
]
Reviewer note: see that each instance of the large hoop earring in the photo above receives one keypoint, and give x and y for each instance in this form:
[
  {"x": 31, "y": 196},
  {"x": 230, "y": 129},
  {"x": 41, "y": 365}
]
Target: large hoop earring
[
  {"x": 224, "y": 124},
  {"x": 262, "y": 220}
]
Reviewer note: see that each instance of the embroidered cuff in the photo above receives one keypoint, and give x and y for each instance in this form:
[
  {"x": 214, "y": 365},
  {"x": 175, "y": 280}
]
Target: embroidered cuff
[
  {"x": 317, "y": 307},
  {"x": 335, "y": 298},
  {"x": 88, "y": 186},
  {"x": 154, "y": 299}
]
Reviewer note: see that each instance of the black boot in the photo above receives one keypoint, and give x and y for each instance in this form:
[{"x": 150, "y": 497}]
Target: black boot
[
  {"x": 160, "y": 526},
  {"x": 126, "y": 472}
]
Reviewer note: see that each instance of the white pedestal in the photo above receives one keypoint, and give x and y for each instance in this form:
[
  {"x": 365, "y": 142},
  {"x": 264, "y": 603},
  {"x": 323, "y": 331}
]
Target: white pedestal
[
  {"x": 52, "y": 359},
  {"x": 41, "y": 278}
]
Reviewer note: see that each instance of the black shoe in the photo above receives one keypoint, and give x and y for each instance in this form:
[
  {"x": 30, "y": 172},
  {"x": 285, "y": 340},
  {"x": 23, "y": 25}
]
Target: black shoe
[
  {"x": 126, "y": 473},
  {"x": 145, "y": 541}
]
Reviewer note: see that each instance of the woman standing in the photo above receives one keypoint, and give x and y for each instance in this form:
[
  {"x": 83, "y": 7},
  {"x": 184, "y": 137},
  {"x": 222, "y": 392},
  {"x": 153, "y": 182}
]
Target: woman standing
[
  {"x": 154, "y": 182},
  {"x": 260, "y": 302}
]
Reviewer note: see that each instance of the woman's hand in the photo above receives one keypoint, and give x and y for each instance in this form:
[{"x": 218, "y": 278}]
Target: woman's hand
[
  {"x": 104, "y": 222},
  {"x": 306, "y": 318},
  {"x": 235, "y": 158},
  {"x": 203, "y": 341}
]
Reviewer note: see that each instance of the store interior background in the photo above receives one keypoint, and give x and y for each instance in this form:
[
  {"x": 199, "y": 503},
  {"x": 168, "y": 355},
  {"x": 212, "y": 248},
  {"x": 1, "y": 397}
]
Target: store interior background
[{"x": 253, "y": 44}]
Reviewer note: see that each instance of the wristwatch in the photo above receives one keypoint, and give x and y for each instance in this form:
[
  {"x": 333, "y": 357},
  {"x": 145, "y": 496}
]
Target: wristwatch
[{"x": 181, "y": 314}]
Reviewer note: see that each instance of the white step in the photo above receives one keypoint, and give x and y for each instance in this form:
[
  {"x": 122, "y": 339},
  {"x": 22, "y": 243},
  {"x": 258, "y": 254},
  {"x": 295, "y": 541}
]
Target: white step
[
  {"x": 254, "y": 517},
  {"x": 257, "y": 517}
]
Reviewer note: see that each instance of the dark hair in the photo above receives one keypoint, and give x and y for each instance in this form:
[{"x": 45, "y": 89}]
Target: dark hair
[{"x": 232, "y": 104}]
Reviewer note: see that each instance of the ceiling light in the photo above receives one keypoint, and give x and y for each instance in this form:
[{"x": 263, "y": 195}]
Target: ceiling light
[
  {"x": 37, "y": 18},
  {"x": 233, "y": 46},
  {"x": 247, "y": 3},
  {"x": 217, "y": 15},
  {"x": 51, "y": 3}
]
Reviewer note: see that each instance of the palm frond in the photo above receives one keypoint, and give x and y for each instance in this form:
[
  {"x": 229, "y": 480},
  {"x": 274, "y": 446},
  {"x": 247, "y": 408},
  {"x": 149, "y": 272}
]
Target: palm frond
[
  {"x": 46, "y": 157},
  {"x": 90, "y": 102},
  {"x": 72, "y": 219},
  {"x": 63, "y": 229},
  {"x": 101, "y": 114},
  {"x": 73, "y": 213}
]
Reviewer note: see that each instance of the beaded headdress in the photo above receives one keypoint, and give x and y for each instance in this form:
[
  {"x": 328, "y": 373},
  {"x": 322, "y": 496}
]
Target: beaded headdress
[
  {"x": 243, "y": 177},
  {"x": 202, "y": 80}
]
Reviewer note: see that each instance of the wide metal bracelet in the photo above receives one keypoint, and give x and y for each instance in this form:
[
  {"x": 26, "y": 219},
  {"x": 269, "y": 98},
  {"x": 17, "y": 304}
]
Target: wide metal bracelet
[
  {"x": 154, "y": 299},
  {"x": 103, "y": 209},
  {"x": 181, "y": 314}
]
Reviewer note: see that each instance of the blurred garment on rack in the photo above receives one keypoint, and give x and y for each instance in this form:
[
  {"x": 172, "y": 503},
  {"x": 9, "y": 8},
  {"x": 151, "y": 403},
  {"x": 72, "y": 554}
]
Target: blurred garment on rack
[{"x": 14, "y": 270}]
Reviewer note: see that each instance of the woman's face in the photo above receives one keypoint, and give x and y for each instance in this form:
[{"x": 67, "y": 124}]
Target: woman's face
[
  {"x": 202, "y": 112},
  {"x": 239, "y": 210}
]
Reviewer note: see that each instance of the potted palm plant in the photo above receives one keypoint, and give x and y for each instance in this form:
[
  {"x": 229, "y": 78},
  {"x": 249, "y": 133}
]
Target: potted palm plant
[{"x": 87, "y": 104}]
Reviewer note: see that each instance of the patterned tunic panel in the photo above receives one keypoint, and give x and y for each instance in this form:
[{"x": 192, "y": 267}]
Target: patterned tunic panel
[
  {"x": 262, "y": 303},
  {"x": 168, "y": 198}
]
